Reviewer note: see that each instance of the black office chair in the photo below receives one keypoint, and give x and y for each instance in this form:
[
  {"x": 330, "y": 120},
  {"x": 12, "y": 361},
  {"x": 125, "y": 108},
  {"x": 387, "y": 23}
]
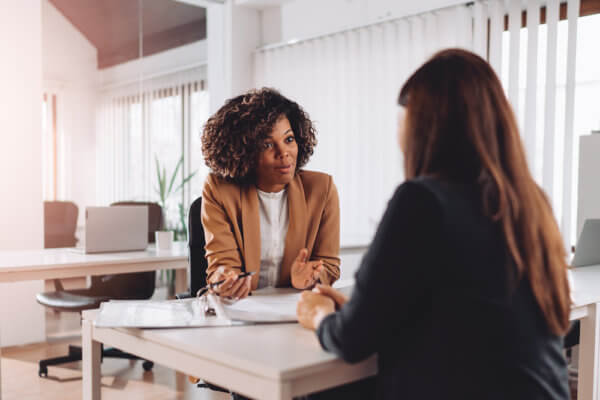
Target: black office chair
[
  {"x": 198, "y": 264},
  {"x": 197, "y": 252},
  {"x": 132, "y": 286}
]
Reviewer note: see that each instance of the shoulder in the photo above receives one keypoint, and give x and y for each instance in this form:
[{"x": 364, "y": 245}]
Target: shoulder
[
  {"x": 217, "y": 186},
  {"x": 315, "y": 182},
  {"x": 419, "y": 194}
]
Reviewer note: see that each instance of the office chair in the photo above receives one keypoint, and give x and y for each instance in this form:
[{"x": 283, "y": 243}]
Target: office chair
[
  {"x": 60, "y": 223},
  {"x": 132, "y": 286},
  {"x": 198, "y": 266},
  {"x": 197, "y": 253}
]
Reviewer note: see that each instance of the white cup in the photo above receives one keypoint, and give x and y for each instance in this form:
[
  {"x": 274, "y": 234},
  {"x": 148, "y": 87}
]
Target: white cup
[{"x": 164, "y": 239}]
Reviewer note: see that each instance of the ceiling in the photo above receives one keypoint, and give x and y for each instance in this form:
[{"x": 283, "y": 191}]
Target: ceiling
[{"x": 112, "y": 26}]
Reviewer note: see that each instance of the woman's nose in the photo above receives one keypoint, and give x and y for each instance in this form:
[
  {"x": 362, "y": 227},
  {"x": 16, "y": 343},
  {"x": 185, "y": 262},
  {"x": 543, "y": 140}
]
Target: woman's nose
[{"x": 281, "y": 151}]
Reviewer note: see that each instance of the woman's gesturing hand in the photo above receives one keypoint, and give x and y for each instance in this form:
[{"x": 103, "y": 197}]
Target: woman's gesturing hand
[
  {"x": 338, "y": 297},
  {"x": 232, "y": 287},
  {"x": 305, "y": 273},
  {"x": 312, "y": 308}
]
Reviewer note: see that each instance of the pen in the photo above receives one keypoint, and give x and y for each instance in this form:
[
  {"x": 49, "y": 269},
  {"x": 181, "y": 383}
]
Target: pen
[{"x": 204, "y": 289}]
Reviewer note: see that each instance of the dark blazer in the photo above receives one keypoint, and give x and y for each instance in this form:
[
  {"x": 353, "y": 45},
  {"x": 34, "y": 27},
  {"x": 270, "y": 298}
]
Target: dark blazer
[
  {"x": 432, "y": 298},
  {"x": 231, "y": 221}
]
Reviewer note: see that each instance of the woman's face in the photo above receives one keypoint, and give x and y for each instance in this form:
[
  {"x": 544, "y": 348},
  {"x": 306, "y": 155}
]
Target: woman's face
[
  {"x": 401, "y": 128},
  {"x": 277, "y": 161}
]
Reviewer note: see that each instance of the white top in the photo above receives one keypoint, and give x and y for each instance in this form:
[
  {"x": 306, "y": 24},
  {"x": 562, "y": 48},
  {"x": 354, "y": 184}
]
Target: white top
[{"x": 274, "y": 220}]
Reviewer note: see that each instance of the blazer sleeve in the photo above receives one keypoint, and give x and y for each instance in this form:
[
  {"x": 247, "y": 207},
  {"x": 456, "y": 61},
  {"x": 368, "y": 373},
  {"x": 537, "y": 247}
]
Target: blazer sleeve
[
  {"x": 394, "y": 281},
  {"x": 221, "y": 246},
  {"x": 327, "y": 241}
]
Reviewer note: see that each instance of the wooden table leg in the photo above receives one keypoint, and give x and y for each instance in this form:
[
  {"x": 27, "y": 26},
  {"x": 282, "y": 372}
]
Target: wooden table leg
[
  {"x": 589, "y": 341},
  {"x": 91, "y": 352}
]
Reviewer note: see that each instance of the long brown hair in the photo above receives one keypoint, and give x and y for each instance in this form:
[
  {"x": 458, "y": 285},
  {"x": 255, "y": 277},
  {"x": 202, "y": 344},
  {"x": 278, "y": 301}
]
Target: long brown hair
[{"x": 460, "y": 126}]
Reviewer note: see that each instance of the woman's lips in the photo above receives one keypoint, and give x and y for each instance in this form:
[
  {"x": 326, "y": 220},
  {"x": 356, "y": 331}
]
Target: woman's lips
[{"x": 284, "y": 169}]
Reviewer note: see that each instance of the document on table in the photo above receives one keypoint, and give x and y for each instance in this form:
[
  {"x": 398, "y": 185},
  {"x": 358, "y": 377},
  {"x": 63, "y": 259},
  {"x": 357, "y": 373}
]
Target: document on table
[{"x": 264, "y": 306}]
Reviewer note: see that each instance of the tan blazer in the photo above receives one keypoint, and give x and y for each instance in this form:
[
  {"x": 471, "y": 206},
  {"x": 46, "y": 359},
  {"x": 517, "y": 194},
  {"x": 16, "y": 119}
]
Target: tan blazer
[{"x": 230, "y": 216}]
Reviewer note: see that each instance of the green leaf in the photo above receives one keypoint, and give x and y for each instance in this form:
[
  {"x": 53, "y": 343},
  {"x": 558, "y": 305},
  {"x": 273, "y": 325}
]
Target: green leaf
[
  {"x": 185, "y": 180},
  {"x": 179, "y": 163}
]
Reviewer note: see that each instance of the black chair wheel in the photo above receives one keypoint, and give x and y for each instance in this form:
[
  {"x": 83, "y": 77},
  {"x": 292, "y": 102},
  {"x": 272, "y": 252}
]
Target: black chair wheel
[
  {"x": 147, "y": 365},
  {"x": 43, "y": 372}
]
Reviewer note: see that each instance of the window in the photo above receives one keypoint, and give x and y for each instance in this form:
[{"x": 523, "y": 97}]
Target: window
[{"x": 162, "y": 123}]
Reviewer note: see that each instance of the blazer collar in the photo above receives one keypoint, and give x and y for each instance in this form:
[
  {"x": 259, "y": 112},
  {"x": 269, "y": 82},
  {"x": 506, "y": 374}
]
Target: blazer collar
[
  {"x": 295, "y": 238},
  {"x": 251, "y": 231}
]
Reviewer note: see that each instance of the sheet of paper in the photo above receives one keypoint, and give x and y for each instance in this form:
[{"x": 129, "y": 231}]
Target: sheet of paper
[{"x": 264, "y": 306}]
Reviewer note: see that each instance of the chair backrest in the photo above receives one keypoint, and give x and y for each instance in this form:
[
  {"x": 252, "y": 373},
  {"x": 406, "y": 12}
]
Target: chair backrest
[
  {"x": 60, "y": 223},
  {"x": 137, "y": 285},
  {"x": 196, "y": 243},
  {"x": 155, "y": 215}
]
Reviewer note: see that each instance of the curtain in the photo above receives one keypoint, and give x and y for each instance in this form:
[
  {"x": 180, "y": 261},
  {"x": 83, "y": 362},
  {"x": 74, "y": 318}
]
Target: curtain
[
  {"x": 536, "y": 63},
  {"x": 349, "y": 82},
  {"x": 155, "y": 120}
]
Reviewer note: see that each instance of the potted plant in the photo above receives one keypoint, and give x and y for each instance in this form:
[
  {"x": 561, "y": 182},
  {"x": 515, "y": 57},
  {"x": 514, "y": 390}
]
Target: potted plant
[{"x": 170, "y": 230}]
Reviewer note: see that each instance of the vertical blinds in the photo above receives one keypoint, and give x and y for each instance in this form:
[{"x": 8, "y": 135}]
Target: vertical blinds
[
  {"x": 348, "y": 82},
  {"x": 140, "y": 123},
  {"x": 540, "y": 100}
]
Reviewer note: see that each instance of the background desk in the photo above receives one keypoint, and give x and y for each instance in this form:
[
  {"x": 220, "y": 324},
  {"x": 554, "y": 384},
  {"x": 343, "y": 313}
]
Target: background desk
[
  {"x": 63, "y": 263},
  {"x": 585, "y": 292}
]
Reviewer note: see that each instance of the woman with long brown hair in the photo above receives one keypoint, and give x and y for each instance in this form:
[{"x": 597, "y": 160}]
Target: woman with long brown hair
[{"x": 463, "y": 292}]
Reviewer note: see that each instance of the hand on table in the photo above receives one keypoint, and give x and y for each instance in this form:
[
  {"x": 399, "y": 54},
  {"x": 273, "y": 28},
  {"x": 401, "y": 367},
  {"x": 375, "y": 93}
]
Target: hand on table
[
  {"x": 232, "y": 287},
  {"x": 338, "y": 297},
  {"x": 305, "y": 274},
  {"x": 312, "y": 308}
]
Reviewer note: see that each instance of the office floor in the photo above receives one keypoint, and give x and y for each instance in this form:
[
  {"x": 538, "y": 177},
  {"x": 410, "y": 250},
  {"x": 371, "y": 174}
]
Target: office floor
[{"x": 121, "y": 379}]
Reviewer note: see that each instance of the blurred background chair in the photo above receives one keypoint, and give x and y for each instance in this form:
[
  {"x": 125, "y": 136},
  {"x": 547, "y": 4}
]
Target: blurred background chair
[
  {"x": 132, "y": 286},
  {"x": 60, "y": 223}
]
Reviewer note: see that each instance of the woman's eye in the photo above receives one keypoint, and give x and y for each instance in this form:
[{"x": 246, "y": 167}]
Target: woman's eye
[
  {"x": 268, "y": 145},
  {"x": 289, "y": 139}
]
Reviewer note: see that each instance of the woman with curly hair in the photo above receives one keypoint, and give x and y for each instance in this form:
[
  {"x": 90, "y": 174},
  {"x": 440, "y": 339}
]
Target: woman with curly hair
[{"x": 260, "y": 211}]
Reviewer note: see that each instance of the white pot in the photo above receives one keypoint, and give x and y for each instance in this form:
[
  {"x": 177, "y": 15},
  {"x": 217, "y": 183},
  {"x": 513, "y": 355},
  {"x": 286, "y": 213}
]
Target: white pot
[{"x": 163, "y": 239}]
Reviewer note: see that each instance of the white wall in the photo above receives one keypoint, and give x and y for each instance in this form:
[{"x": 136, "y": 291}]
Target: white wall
[
  {"x": 304, "y": 18},
  {"x": 70, "y": 70},
  {"x": 21, "y": 318},
  {"x": 171, "y": 60}
]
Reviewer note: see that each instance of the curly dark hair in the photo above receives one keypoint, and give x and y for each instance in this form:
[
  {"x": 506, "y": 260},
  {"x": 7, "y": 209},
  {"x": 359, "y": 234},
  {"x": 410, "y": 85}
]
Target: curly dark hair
[{"x": 234, "y": 136}]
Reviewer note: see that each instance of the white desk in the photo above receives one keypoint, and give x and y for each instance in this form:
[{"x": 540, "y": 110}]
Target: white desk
[
  {"x": 276, "y": 361},
  {"x": 585, "y": 291},
  {"x": 27, "y": 265},
  {"x": 283, "y": 361}
]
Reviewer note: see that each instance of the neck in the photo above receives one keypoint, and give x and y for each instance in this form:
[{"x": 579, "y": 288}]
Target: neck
[{"x": 270, "y": 187}]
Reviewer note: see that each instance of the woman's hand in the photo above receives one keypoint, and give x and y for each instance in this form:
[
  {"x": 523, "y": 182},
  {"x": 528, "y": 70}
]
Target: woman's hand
[
  {"x": 312, "y": 308},
  {"x": 232, "y": 287},
  {"x": 338, "y": 297},
  {"x": 305, "y": 273}
]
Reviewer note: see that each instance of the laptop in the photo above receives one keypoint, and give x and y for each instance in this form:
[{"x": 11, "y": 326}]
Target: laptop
[
  {"x": 115, "y": 229},
  {"x": 587, "y": 251}
]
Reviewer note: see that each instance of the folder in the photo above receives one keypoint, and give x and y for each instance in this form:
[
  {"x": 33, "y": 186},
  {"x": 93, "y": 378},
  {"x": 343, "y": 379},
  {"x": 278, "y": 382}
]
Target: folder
[{"x": 264, "y": 306}]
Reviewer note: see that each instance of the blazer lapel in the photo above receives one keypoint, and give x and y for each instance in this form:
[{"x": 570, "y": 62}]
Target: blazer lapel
[
  {"x": 251, "y": 231},
  {"x": 295, "y": 240}
]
